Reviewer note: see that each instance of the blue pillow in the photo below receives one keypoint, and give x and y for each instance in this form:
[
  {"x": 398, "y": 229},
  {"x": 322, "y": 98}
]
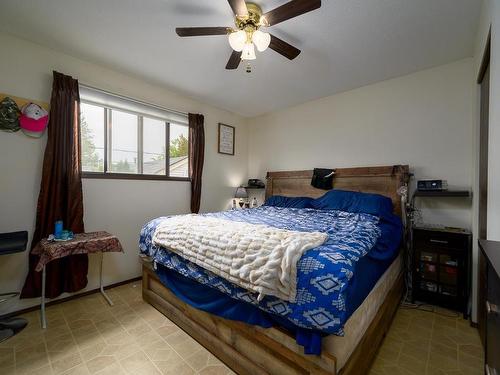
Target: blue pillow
[
  {"x": 355, "y": 202},
  {"x": 289, "y": 202}
]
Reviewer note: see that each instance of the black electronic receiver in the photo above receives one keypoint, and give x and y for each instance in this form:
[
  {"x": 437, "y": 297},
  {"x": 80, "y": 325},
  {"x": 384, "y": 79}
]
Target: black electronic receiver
[
  {"x": 255, "y": 183},
  {"x": 432, "y": 185}
]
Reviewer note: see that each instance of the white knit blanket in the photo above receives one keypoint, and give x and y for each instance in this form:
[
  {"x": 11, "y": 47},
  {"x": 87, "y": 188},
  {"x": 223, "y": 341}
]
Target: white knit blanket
[{"x": 258, "y": 258}]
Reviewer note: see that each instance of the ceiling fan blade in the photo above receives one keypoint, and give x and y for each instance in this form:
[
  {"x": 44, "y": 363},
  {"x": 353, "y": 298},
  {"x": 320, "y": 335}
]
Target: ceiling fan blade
[
  {"x": 234, "y": 61},
  {"x": 200, "y": 31},
  {"x": 239, "y": 7},
  {"x": 283, "y": 48},
  {"x": 290, "y": 10}
]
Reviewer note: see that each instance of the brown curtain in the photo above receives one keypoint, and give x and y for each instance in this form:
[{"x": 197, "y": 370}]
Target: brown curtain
[
  {"x": 60, "y": 195},
  {"x": 196, "y": 158}
]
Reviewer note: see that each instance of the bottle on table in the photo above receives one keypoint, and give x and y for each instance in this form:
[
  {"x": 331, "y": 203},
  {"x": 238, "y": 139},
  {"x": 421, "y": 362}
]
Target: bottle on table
[{"x": 254, "y": 202}]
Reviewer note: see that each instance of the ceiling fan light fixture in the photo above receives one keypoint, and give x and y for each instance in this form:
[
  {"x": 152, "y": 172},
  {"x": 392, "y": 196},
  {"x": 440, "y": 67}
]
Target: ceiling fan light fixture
[
  {"x": 237, "y": 40},
  {"x": 248, "y": 52},
  {"x": 245, "y": 35},
  {"x": 261, "y": 40}
]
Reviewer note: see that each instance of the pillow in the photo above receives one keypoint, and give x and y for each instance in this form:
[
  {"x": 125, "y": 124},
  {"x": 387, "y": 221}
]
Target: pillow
[
  {"x": 289, "y": 202},
  {"x": 355, "y": 202}
]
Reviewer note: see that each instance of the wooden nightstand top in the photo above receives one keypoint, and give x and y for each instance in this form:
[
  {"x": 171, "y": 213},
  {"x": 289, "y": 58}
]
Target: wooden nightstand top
[{"x": 445, "y": 229}]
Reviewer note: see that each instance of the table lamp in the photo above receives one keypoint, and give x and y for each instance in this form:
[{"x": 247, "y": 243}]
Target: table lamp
[{"x": 241, "y": 194}]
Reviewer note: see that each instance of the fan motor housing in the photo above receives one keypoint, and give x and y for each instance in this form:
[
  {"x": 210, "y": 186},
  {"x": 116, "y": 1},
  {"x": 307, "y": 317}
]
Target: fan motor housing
[{"x": 253, "y": 19}]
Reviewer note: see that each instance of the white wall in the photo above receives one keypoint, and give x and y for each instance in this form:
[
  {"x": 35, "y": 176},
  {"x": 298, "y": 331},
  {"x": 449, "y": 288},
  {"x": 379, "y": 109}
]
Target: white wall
[
  {"x": 118, "y": 206},
  {"x": 423, "y": 119}
]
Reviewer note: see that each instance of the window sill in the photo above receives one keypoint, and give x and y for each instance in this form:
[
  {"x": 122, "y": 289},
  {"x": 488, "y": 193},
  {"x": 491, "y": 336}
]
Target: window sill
[{"x": 128, "y": 176}]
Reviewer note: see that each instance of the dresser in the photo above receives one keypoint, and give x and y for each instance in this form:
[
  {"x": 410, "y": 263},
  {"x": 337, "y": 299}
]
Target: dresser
[
  {"x": 441, "y": 267},
  {"x": 489, "y": 304}
]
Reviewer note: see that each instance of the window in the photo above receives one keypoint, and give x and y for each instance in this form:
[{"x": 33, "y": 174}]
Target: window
[
  {"x": 92, "y": 128},
  {"x": 123, "y": 149},
  {"x": 122, "y": 138}
]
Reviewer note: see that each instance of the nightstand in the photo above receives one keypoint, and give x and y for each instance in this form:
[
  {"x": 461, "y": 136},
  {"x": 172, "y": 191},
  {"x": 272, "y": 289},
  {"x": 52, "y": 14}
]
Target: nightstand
[{"x": 442, "y": 267}]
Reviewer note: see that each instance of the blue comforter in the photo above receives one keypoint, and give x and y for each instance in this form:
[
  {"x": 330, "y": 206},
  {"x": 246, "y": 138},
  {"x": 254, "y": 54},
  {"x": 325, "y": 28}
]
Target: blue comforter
[{"x": 325, "y": 273}]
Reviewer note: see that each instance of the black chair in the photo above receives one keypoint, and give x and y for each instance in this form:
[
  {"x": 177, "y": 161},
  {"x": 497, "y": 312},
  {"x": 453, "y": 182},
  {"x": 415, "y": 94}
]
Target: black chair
[{"x": 10, "y": 243}]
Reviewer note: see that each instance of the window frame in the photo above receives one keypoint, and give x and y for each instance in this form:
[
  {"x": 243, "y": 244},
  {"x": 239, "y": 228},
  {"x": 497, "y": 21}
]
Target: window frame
[{"x": 108, "y": 128}]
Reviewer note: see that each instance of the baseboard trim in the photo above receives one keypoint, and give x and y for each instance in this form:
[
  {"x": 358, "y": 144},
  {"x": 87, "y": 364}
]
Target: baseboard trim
[{"x": 69, "y": 298}]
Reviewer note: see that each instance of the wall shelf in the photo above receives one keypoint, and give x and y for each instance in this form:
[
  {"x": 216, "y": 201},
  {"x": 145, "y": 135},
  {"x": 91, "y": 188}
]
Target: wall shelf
[{"x": 443, "y": 193}]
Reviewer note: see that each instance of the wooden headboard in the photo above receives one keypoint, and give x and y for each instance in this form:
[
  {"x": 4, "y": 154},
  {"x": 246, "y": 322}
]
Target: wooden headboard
[{"x": 384, "y": 180}]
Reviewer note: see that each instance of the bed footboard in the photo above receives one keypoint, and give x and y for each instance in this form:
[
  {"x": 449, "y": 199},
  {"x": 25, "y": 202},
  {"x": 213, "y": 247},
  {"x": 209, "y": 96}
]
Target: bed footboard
[
  {"x": 253, "y": 350},
  {"x": 244, "y": 348}
]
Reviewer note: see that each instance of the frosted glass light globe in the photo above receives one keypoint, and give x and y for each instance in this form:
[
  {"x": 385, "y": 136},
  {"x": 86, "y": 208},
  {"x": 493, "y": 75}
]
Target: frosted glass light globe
[
  {"x": 237, "y": 40},
  {"x": 261, "y": 40}
]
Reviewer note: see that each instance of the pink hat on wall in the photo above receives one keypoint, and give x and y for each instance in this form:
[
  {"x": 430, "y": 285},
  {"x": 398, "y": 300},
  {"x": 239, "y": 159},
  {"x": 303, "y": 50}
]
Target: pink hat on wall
[{"x": 33, "y": 120}]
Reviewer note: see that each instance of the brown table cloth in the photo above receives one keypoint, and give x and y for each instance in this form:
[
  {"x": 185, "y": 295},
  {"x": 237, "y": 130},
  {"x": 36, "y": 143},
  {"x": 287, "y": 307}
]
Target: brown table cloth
[{"x": 82, "y": 243}]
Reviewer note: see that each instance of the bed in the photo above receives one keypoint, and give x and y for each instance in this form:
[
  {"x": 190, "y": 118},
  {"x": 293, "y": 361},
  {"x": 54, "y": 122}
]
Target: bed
[{"x": 275, "y": 349}]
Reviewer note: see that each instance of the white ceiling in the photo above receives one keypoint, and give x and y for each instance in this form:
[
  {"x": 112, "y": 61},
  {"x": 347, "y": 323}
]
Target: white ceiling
[{"x": 345, "y": 44}]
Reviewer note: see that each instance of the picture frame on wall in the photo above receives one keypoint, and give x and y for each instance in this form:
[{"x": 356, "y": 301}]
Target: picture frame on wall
[{"x": 226, "y": 139}]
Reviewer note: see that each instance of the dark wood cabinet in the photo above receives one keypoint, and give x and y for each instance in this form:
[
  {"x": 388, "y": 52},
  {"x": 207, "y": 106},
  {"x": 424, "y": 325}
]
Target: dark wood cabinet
[
  {"x": 441, "y": 267},
  {"x": 490, "y": 299}
]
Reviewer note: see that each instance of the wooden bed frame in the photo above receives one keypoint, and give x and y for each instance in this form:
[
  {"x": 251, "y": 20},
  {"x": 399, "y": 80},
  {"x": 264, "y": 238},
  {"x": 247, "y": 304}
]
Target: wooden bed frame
[{"x": 249, "y": 349}]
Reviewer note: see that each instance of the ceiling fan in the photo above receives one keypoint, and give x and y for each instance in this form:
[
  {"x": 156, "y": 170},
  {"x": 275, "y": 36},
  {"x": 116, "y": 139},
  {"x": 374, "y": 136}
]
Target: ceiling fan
[{"x": 247, "y": 35}]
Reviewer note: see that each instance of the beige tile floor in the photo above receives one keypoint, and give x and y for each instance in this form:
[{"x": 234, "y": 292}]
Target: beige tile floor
[
  {"x": 86, "y": 336},
  {"x": 436, "y": 343}
]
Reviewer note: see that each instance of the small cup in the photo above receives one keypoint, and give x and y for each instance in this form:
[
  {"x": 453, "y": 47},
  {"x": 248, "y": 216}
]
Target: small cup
[{"x": 58, "y": 228}]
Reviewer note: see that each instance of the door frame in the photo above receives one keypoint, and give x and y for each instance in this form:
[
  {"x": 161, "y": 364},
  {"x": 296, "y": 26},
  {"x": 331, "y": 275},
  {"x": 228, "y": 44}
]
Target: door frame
[
  {"x": 483, "y": 139},
  {"x": 482, "y": 202}
]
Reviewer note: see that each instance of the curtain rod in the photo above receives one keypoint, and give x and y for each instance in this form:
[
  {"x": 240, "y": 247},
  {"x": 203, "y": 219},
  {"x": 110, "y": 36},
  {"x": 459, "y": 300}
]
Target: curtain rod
[{"x": 133, "y": 100}]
